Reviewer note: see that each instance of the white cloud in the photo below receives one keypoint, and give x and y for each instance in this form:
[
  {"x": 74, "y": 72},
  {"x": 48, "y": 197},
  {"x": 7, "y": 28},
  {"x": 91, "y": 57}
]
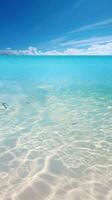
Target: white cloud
[
  {"x": 87, "y": 42},
  {"x": 91, "y": 26},
  {"x": 30, "y": 51},
  {"x": 100, "y": 24},
  {"x": 94, "y": 49},
  {"x": 98, "y": 49}
]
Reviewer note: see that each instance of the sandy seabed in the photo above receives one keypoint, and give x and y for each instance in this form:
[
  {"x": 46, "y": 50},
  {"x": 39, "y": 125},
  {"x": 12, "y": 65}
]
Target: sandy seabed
[{"x": 55, "y": 142}]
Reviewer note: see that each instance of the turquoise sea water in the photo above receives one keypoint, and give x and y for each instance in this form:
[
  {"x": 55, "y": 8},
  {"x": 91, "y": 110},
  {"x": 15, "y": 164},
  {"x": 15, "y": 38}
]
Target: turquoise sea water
[{"x": 55, "y": 128}]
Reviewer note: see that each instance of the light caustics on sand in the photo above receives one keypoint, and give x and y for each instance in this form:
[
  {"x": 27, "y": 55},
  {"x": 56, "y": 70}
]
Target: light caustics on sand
[{"x": 55, "y": 143}]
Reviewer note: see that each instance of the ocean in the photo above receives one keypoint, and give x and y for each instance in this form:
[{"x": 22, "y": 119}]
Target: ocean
[{"x": 55, "y": 127}]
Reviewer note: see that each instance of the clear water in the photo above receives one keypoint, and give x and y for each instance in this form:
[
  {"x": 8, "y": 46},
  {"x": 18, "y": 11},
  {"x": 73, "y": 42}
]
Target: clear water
[{"x": 55, "y": 128}]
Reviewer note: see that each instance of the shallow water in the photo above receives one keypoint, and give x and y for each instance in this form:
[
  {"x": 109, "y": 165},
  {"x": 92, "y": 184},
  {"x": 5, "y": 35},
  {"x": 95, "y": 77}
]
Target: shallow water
[{"x": 56, "y": 128}]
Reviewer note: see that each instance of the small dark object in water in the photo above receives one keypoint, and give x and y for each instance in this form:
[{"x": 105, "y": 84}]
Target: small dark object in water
[
  {"x": 5, "y": 105},
  {"x": 74, "y": 123},
  {"x": 27, "y": 102}
]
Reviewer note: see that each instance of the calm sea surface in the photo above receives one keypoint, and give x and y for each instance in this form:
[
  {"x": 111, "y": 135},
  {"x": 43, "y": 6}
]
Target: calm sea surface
[{"x": 55, "y": 128}]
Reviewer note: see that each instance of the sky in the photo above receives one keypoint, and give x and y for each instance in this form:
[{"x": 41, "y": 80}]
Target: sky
[{"x": 54, "y": 27}]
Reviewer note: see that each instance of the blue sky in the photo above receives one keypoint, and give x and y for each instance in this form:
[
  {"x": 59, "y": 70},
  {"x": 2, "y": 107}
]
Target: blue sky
[{"x": 55, "y": 25}]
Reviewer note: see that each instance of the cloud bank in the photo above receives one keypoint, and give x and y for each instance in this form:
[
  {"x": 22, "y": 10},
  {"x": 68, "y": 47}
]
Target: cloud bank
[
  {"x": 95, "y": 49},
  {"x": 30, "y": 51}
]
